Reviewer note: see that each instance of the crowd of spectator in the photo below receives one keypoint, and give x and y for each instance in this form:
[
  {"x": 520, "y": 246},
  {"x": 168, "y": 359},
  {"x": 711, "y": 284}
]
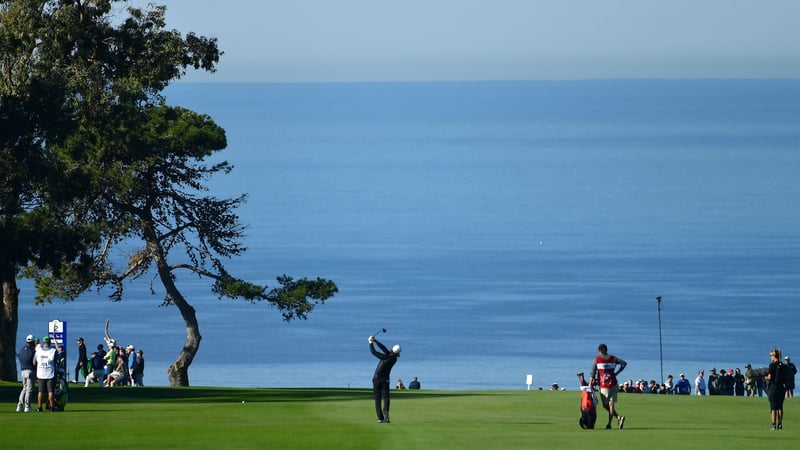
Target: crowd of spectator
[{"x": 732, "y": 382}]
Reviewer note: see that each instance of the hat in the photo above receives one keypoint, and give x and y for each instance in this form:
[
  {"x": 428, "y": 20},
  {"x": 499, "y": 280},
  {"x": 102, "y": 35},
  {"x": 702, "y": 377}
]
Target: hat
[
  {"x": 785, "y": 357},
  {"x": 80, "y": 339},
  {"x": 130, "y": 347},
  {"x": 29, "y": 338},
  {"x": 682, "y": 375},
  {"x": 396, "y": 348},
  {"x": 139, "y": 351},
  {"x": 46, "y": 338},
  {"x": 748, "y": 366}
]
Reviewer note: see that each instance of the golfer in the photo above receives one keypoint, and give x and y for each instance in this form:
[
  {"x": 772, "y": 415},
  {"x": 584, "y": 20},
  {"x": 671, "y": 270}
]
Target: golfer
[
  {"x": 604, "y": 372},
  {"x": 383, "y": 373}
]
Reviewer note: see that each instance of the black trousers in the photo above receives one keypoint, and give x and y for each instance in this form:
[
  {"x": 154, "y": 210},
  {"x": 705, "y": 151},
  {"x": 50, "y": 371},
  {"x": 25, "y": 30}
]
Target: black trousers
[{"x": 380, "y": 390}]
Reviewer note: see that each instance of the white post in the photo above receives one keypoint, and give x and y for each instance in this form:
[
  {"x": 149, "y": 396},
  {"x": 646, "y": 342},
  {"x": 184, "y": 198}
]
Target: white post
[{"x": 529, "y": 380}]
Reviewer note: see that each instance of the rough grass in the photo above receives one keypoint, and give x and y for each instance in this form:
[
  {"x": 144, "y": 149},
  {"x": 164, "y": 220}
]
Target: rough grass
[{"x": 162, "y": 417}]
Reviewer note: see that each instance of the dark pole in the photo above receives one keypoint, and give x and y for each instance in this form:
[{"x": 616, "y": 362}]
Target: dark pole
[{"x": 660, "y": 346}]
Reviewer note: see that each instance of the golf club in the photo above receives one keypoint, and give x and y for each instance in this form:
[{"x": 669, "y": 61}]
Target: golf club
[{"x": 382, "y": 330}]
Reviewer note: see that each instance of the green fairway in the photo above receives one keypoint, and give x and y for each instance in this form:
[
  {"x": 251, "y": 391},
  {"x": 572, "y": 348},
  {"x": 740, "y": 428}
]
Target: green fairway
[{"x": 216, "y": 418}]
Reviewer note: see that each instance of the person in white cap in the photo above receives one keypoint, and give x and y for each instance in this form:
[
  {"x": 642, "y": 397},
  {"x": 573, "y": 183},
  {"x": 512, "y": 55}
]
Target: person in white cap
[
  {"x": 26, "y": 355},
  {"x": 130, "y": 359},
  {"x": 383, "y": 374}
]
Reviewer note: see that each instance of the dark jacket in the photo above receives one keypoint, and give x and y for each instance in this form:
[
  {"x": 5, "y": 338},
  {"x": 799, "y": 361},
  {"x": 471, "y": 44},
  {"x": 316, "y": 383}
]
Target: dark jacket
[
  {"x": 82, "y": 353},
  {"x": 138, "y": 366},
  {"x": 387, "y": 361},
  {"x": 26, "y": 355}
]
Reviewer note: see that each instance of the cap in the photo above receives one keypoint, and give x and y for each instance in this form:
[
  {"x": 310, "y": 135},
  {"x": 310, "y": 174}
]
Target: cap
[
  {"x": 130, "y": 347},
  {"x": 29, "y": 338},
  {"x": 139, "y": 351},
  {"x": 785, "y": 357},
  {"x": 747, "y": 366},
  {"x": 80, "y": 339},
  {"x": 46, "y": 338},
  {"x": 396, "y": 348},
  {"x": 682, "y": 375}
]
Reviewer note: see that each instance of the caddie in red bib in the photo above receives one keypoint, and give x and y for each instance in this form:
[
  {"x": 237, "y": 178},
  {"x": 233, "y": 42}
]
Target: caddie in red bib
[{"x": 604, "y": 373}]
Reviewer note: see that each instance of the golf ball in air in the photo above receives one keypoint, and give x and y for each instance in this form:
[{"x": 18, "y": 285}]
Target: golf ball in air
[{"x": 242, "y": 401}]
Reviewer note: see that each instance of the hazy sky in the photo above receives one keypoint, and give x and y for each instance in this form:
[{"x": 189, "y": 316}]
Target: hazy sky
[{"x": 431, "y": 40}]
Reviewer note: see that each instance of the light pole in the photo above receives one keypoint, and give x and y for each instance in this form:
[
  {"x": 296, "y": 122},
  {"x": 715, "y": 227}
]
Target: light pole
[{"x": 660, "y": 347}]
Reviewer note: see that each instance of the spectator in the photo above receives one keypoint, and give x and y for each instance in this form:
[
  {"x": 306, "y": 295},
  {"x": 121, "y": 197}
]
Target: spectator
[
  {"x": 683, "y": 386},
  {"x": 111, "y": 362},
  {"x": 669, "y": 385},
  {"x": 654, "y": 388},
  {"x": 792, "y": 371},
  {"x": 725, "y": 382},
  {"x": 700, "y": 384},
  {"x": 400, "y": 385},
  {"x": 749, "y": 381},
  {"x": 713, "y": 382},
  {"x": 738, "y": 383},
  {"x": 130, "y": 360},
  {"x": 97, "y": 365},
  {"x": 414, "y": 384},
  {"x": 137, "y": 370},
  {"x": 627, "y": 387},
  {"x": 61, "y": 360},
  {"x": 120, "y": 373},
  {"x": 761, "y": 386},
  {"x": 82, "y": 365}
]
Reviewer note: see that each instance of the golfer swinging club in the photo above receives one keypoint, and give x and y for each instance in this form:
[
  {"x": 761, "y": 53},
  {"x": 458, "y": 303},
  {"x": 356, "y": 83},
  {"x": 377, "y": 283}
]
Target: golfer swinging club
[{"x": 383, "y": 373}]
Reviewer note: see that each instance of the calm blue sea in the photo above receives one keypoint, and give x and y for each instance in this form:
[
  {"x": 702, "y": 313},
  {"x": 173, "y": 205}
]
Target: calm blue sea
[{"x": 494, "y": 229}]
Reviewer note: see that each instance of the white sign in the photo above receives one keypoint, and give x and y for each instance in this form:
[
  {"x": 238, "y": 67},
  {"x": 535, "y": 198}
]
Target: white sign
[
  {"x": 529, "y": 380},
  {"x": 57, "y": 330}
]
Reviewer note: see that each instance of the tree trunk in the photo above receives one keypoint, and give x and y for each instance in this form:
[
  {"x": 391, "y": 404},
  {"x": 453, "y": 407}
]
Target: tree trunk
[
  {"x": 9, "y": 320},
  {"x": 178, "y": 372}
]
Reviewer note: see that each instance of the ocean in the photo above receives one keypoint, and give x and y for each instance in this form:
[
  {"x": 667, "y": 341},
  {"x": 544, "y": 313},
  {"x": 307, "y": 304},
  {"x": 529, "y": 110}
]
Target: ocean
[{"x": 494, "y": 229}]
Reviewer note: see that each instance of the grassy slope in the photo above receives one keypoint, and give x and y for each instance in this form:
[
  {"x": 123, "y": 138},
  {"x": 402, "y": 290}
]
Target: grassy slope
[{"x": 344, "y": 418}]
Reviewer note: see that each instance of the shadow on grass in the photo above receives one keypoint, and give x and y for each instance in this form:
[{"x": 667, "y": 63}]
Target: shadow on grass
[{"x": 9, "y": 393}]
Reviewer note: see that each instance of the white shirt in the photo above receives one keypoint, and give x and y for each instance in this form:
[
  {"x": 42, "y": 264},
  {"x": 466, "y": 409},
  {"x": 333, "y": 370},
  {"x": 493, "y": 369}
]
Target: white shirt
[
  {"x": 45, "y": 359},
  {"x": 700, "y": 383}
]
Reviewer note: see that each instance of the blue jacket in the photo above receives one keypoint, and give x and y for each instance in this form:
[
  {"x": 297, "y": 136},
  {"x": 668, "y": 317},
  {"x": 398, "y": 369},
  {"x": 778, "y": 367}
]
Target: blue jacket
[{"x": 26, "y": 354}]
